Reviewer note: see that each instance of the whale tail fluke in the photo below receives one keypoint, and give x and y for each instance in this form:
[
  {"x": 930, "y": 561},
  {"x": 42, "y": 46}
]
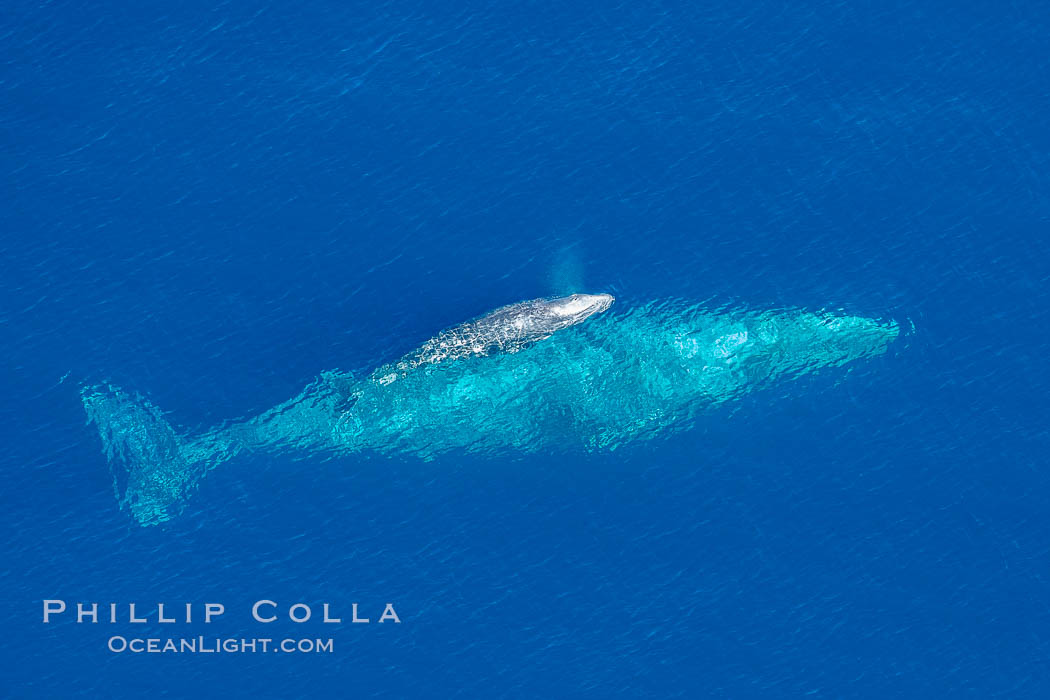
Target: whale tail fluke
[{"x": 151, "y": 472}]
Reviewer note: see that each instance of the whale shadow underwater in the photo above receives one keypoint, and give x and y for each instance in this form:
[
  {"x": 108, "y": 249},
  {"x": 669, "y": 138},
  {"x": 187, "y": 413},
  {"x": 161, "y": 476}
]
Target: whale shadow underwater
[{"x": 544, "y": 374}]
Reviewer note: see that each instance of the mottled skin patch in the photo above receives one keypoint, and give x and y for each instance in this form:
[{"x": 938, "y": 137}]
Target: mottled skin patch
[{"x": 505, "y": 330}]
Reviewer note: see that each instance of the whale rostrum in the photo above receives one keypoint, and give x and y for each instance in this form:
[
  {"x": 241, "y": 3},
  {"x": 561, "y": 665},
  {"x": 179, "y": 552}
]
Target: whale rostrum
[{"x": 525, "y": 378}]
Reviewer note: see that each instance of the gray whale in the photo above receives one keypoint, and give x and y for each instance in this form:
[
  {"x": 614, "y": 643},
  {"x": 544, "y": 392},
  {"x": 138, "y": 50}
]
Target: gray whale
[{"x": 618, "y": 379}]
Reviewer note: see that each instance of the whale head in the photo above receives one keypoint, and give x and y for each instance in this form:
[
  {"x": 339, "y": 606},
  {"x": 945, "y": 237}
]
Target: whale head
[{"x": 570, "y": 310}]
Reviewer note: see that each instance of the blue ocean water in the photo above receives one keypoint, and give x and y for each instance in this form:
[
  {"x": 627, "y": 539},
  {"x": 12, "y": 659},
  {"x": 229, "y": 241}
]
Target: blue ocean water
[{"x": 210, "y": 204}]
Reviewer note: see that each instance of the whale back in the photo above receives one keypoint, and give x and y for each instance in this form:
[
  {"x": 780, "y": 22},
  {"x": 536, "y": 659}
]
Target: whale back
[{"x": 507, "y": 329}]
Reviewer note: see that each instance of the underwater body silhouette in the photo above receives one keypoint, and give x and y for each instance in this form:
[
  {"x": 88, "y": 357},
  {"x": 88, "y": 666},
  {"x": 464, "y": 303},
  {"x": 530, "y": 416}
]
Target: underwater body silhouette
[{"x": 620, "y": 378}]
